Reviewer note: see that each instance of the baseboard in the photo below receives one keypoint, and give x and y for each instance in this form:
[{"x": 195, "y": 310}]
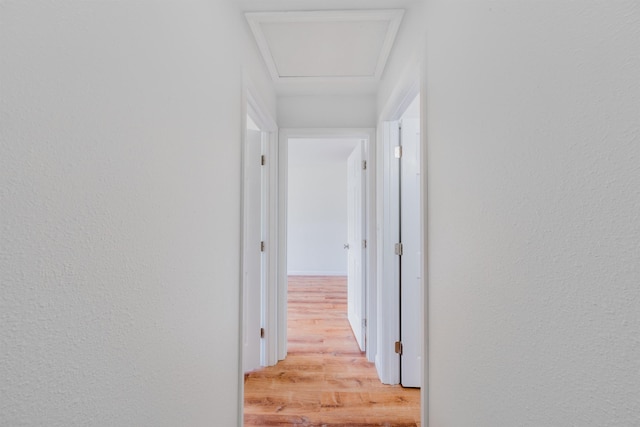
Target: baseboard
[{"x": 316, "y": 273}]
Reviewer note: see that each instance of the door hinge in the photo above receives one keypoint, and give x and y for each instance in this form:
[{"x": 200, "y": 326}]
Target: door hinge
[
  {"x": 397, "y": 152},
  {"x": 398, "y": 347},
  {"x": 261, "y": 332},
  {"x": 263, "y": 160},
  {"x": 262, "y": 246},
  {"x": 364, "y": 244},
  {"x": 398, "y": 249},
  {"x": 364, "y": 323},
  {"x": 364, "y": 165}
]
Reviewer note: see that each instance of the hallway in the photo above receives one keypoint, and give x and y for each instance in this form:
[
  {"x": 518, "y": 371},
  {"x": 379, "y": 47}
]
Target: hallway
[{"x": 325, "y": 379}]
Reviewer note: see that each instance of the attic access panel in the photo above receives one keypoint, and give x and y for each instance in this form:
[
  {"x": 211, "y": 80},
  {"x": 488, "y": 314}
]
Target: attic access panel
[{"x": 325, "y": 45}]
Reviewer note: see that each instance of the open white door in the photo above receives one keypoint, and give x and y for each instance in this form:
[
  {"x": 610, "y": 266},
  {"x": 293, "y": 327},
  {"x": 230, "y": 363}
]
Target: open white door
[
  {"x": 410, "y": 264},
  {"x": 387, "y": 359},
  {"x": 356, "y": 294},
  {"x": 252, "y": 256}
]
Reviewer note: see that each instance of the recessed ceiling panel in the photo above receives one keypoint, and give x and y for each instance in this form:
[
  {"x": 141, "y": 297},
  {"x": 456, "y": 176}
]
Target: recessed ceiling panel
[
  {"x": 326, "y": 49},
  {"x": 325, "y": 46}
]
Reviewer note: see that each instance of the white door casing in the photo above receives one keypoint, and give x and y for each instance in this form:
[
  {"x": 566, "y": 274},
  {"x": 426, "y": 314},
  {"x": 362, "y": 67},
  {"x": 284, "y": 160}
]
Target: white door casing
[
  {"x": 280, "y": 248},
  {"x": 252, "y": 256},
  {"x": 356, "y": 294},
  {"x": 410, "y": 263}
]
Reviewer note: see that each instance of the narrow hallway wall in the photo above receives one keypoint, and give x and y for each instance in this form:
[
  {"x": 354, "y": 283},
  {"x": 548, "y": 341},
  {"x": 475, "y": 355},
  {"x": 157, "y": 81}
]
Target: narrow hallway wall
[
  {"x": 534, "y": 227},
  {"x": 120, "y": 128}
]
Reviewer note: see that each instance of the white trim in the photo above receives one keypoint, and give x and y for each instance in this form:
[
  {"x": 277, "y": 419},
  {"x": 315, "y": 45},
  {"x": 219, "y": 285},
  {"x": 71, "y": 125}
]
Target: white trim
[
  {"x": 251, "y": 104},
  {"x": 316, "y": 273},
  {"x": 270, "y": 306},
  {"x": 387, "y": 362},
  {"x": 254, "y": 107},
  {"x": 243, "y": 135},
  {"x": 372, "y": 245},
  {"x": 355, "y": 80},
  {"x": 368, "y": 134},
  {"x": 424, "y": 387},
  {"x": 404, "y": 93},
  {"x": 393, "y": 16},
  {"x": 412, "y": 83},
  {"x": 328, "y": 133},
  {"x": 257, "y": 111},
  {"x": 281, "y": 284}
]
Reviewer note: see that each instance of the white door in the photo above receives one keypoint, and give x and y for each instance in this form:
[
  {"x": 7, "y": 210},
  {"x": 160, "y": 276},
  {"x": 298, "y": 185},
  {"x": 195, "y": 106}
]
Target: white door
[
  {"x": 387, "y": 360},
  {"x": 252, "y": 256},
  {"x": 410, "y": 270},
  {"x": 356, "y": 308}
]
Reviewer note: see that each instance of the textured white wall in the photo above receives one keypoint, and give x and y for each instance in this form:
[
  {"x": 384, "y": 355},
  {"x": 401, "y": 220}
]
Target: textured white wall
[
  {"x": 327, "y": 111},
  {"x": 533, "y": 139},
  {"x": 120, "y": 134},
  {"x": 317, "y": 206}
]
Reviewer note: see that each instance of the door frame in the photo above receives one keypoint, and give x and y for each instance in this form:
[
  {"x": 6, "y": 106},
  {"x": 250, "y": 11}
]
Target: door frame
[
  {"x": 410, "y": 84},
  {"x": 252, "y": 234},
  {"x": 268, "y": 353},
  {"x": 368, "y": 135},
  {"x": 387, "y": 361},
  {"x": 252, "y": 105}
]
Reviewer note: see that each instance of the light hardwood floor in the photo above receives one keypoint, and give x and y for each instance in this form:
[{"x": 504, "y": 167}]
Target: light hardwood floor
[{"x": 325, "y": 379}]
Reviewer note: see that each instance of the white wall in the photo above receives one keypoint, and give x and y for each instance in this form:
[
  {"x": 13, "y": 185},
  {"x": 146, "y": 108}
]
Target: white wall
[
  {"x": 317, "y": 206},
  {"x": 120, "y": 181},
  {"x": 533, "y": 137},
  {"x": 327, "y": 111}
]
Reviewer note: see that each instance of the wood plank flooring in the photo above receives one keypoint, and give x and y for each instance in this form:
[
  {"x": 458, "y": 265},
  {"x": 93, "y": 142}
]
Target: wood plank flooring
[{"x": 325, "y": 379}]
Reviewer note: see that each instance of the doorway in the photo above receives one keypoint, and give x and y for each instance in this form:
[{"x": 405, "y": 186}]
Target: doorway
[
  {"x": 326, "y": 222},
  {"x": 258, "y": 235},
  {"x": 366, "y": 138},
  {"x": 402, "y": 239},
  {"x": 317, "y": 206}
]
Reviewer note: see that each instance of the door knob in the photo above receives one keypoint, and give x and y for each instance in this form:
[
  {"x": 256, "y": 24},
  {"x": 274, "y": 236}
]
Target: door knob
[{"x": 346, "y": 246}]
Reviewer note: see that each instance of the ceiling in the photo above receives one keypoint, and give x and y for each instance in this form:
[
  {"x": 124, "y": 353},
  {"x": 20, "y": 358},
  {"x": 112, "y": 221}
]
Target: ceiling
[{"x": 312, "y": 46}]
